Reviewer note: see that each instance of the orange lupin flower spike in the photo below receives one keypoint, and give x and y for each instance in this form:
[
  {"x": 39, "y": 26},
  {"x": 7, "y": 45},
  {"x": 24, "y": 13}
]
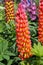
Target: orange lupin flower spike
[
  {"x": 22, "y": 34},
  {"x": 9, "y": 9},
  {"x": 40, "y": 22}
]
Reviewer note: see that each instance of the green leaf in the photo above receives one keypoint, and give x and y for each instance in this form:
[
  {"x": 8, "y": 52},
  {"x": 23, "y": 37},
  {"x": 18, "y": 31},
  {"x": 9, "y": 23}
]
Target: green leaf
[
  {"x": 41, "y": 62},
  {"x": 2, "y": 15},
  {"x": 1, "y": 58},
  {"x": 16, "y": 59},
  {"x": 1, "y": 63},
  {"x": 14, "y": 38},
  {"x": 37, "y": 50},
  {"x": 22, "y": 63},
  {"x": 7, "y": 26},
  {"x": 10, "y": 62},
  {"x": 27, "y": 63},
  {"x": 9, "y": 53},
  {"x": 6, "y": 57},
  {"x": 0, "y": 46},
  {"x": 2, "y": 7},
  {"x": 1, "y": 27},
  {"x": 14, "y": 46},
  {"x": 5, "y": 45}
]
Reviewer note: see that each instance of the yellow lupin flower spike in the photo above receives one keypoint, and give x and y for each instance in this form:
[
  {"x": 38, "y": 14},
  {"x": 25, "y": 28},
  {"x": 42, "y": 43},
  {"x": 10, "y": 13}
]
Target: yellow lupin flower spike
[{"x": 9, "y": 9}]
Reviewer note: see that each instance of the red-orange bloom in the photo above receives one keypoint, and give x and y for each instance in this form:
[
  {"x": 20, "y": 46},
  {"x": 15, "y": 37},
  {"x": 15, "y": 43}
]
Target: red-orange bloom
[
  {"x": 22, "y": 34},
  {"x": 9, "y": 9},
  {"x": 40, "y": 22}
]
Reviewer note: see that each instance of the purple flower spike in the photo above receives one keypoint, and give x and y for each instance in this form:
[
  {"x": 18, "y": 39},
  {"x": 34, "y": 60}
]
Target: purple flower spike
[{"x": 30, "y": 6}]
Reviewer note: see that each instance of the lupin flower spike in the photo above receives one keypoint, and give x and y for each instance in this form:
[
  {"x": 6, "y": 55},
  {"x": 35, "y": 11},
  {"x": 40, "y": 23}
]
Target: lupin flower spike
[
  {"x": 22, "y": 34},
  {"x": 30, "y": 6},
  {"x": 9, "y": 9},
  {"x": 40, "y": 22},
  {"x": 33, "y": 10}
]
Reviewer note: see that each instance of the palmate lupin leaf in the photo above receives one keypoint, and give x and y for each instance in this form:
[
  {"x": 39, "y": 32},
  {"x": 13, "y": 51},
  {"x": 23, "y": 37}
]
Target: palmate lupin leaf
[
  {"x": 37, "y": 50},
  {"x": 4, "y": 52},
  {"x": 8, "y": 32},
  {"x": 33, "y": 31}
]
